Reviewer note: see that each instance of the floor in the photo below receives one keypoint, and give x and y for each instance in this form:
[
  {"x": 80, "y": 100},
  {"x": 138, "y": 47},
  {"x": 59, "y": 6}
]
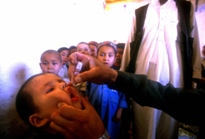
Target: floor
[{"x": 185, "y": 132}]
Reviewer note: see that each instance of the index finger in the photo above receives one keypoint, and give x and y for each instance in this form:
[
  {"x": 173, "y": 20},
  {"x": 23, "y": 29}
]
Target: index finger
[{"x": 74, "y": 59}]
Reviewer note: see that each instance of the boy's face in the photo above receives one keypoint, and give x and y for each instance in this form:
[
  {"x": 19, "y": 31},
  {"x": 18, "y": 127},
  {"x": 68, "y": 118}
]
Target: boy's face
[
  {"x": 64, "y": 56},
  {"x": 93, "y": 50},
  {"x": 106, "y": 55},
  {"x": 48, "y": 90},
  {"x": 73, "y": 50},
  {"x": 50, "y": 64},
  {"x": 83, "y": 48},
  {"x": 119, "y": 55}
]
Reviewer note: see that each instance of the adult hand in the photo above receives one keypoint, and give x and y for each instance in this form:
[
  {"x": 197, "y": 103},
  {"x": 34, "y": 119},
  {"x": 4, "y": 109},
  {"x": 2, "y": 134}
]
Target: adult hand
[
  {"x": 75, "y": 123},
  {"x": 92, "y": 70}
]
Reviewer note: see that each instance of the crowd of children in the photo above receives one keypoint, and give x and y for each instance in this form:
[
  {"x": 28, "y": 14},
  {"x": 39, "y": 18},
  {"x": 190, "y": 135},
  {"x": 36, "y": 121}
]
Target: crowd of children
[{"x": 108, "y": 103}]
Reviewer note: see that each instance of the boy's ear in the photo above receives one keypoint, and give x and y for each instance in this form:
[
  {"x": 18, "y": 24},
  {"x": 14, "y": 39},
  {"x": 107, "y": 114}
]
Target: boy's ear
[
  {"x": 40, "y": 65},
  {"x": 37, "y": 121}
]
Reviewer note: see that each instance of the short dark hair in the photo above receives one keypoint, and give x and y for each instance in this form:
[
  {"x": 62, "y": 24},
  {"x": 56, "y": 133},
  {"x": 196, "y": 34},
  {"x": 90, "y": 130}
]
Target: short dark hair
[
  {"x": 72, "y": 47},
  {"x": 50, "y": 51},
  {"x": 63, "y": 48},
  {"x": 82, "y": 43},
  {"x": 120, "y": 45},
  {"x": 24, "y": 102},
  {"x": 93, "y": 43}
]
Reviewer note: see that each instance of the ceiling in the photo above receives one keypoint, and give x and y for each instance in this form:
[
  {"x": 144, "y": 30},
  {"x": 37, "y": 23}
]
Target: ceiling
[{"x": 117, "y": 1}]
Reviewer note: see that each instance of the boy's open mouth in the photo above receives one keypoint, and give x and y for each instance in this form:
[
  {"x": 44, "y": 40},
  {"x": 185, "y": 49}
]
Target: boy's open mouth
[{"x": 74, "y": 98}]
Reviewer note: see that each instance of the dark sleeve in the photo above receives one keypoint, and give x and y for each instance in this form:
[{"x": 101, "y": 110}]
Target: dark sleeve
[{"x": 186, "y": 106}]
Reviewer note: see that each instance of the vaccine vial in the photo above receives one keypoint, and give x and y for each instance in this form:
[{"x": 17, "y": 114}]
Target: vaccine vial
[{"x": 79, "y": 66}]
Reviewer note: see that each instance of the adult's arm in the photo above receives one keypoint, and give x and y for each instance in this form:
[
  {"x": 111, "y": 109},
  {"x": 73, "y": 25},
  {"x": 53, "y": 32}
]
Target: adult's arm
[{"x": 184, "y": 105}]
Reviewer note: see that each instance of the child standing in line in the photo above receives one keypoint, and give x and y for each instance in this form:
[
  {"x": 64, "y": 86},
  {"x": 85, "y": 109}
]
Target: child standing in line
[
  {"x": 108, "y": 103},
  {"x": 64, "y": 52},
  {"x": 50, "y": 62},
  {"x": 93, "y": 48},
  {"x": 126, "y": 114},
  {"x": 120, "y": 49},
  {"x": 72, "y": 49},
  {"x": 83, "y": 48}
]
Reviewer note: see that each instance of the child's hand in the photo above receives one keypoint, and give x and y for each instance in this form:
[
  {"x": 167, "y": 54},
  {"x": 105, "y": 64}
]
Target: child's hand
[{"x": 118, "y": 115}]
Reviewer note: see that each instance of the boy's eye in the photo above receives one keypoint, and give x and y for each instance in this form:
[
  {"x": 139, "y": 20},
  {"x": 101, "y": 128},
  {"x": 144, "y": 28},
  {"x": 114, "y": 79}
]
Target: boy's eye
[
  {"x": 44, "y": 63},
  {"x": 101, "y": 54},
  {"x": 50, "y": 90}
]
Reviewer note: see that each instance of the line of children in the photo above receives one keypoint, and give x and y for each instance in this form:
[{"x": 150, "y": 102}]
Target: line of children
[{"x": 107, "y": 102}]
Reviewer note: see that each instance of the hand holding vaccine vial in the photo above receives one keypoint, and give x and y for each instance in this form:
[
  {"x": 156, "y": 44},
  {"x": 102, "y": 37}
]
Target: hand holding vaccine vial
[{"x": 78, "y": 67}]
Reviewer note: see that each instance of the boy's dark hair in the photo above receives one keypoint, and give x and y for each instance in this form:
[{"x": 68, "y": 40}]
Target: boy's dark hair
[
  {"x": 24, "y": 101},
  {"x": 120, "y": 45},
  {"x": 50, "y": 52},
  {"x": 93, "y": 43},
  {"x": 63, "y": 48},
  {"x": 82, "y": 43},
  {"x": 72, "y": 47}
]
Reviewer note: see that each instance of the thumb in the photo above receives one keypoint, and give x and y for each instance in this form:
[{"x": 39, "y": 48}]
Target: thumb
[
  {"x": 77, "y": 79},
  {"x": 60, "y": 104}
]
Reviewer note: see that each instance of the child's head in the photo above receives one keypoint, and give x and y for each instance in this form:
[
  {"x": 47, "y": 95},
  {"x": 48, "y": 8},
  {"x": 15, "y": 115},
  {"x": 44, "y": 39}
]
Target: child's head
[
  {"x": 93, "y": 48},
  {"x": 39, "y": 96},
  {"x": 106, "y": 53},
  {"x": 83, "y": 48},
  {"x": 64, "y": 52},
  {"x": 50, "y": 61},
  {"x": 72, "y": 49},
  {"x": 120, "y": 49}
]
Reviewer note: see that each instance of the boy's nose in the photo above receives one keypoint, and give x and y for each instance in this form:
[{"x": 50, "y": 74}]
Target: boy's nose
[
  {"x": 63, "y": 87},
  {"x": 49, "y": 66},
  {"x": 106, "y": 57}
]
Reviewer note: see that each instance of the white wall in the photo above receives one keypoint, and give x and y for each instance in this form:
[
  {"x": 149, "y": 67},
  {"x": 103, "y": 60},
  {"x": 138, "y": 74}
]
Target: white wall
[{"x": 27, "y": 28}]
